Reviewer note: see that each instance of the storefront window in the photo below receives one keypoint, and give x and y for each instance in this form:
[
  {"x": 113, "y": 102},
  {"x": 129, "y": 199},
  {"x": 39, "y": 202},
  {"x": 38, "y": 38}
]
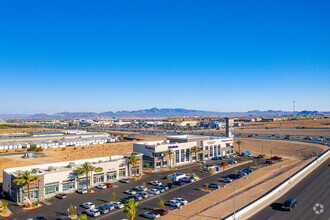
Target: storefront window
[
  {"x": 111, "y": 176},
  {"x": 187, "y": 154},
  {"x": 164, "y": 163},
  {"x": 33, "y": 194},
  {"x": 211, "y": 151},
  {"x": 51, "y": 189},
  {"x": 122, "y": 172},
  {"x": 158, "y": 164},
  {"x": 82, "y": 183},
  {"x": 99, "y": 178},
  {"x": 177, "y": 158},
  {"x": 219, "y": 150},
  {"x": 68, "y": 186},
  {"x": 182, "y": 155}
]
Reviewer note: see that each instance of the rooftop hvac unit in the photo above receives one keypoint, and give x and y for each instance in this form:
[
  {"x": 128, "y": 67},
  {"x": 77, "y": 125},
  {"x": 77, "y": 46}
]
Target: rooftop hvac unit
[
  {"x": 72, "y": 164},
  {"x": 101, "y": 161},
  {"x": 51, "y": 168}
]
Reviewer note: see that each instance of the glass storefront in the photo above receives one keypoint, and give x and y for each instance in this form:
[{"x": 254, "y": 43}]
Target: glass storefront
[
  {"x": 182, "y": 155},
  {"x": 211, "y": 151},
  {"x": 33, "y": 194},
  {"x": 51, "y": 189},
  {"x": 82, "y": 182},
  {"x": 68, "y": 185},
  {"x": 122, "y": 172},
  {"x": 187, "y": 155},
  {"x": 219, "y": 150},
  {"x": 177, "y": 156},
  {"x": 99, "y": 178},
  {"x": 111, "y": 176}
]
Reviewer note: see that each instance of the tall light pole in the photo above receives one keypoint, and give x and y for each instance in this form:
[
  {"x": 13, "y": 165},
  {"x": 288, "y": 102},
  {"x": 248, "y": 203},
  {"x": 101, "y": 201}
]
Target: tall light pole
[
  {"x": 289, "y": 168},
  {"x": 294, "y": 119}
]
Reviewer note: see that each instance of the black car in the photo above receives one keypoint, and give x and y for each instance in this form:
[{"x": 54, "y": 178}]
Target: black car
[
  {"x": 61, "y": 196},
  {"x": 136, "y": 197},
  {"x": 261, "y": 156},
  {"x": 170, "y": 185},
  {"x": 233, "y": 176},
  {"x": 289, "y": 204},
  {"x": 39, "y": 218}
]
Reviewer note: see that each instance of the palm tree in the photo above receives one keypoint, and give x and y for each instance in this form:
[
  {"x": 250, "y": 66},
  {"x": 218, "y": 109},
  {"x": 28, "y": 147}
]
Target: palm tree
[
  {"x": 239, "y": 143},
  {"x": 26, "y": 178},
  {"x": 133, "y": 159},
  {"x": 85, "y": 169},
  {"x": 195, "y": 150},
  {"x": 169, "y": 152},
  {"x": 130, "y": 208}
]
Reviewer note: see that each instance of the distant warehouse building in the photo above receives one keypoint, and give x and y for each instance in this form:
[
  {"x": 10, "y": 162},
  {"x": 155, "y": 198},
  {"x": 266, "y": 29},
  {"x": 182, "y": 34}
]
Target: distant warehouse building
[
  {"x": 61, "y": 177},
  {"x": 154, "y": 152}
]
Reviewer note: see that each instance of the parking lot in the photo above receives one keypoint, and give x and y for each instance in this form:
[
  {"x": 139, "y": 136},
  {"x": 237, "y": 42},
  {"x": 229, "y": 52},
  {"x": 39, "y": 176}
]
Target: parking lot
[{"x": 54, "y": 208}]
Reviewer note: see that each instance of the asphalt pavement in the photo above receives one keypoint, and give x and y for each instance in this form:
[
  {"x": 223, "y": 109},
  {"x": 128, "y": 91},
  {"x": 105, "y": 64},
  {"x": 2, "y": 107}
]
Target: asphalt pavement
[{"x": 312, "y": 195}]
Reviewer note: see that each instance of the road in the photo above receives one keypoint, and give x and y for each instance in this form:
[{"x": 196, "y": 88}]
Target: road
[
  {"x": 54, "y": 208},
  {"x": 311, "y": 190}
]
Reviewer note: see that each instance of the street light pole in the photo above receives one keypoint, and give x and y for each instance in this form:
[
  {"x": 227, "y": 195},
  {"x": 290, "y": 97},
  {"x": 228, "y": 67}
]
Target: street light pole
[{"x": 289, "y": 168}]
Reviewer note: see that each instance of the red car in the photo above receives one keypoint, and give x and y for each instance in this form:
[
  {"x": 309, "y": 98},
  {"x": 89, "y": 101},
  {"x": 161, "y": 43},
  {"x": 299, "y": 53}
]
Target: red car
[
  {"x": 109, "y": 185},
  {"x": 276, "y": 158},
  {"x": 161, "y": 211},
  {"x": 269, "y": 162}
]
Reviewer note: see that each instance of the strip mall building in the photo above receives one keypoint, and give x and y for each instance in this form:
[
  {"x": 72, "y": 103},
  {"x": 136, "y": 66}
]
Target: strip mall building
[
  {"x": 154, "y": 151},
  {"x": 61, "y": 177}
]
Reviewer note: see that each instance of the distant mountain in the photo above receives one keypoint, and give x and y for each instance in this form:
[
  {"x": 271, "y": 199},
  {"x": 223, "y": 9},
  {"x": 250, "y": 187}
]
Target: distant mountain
[{"x": 160, "y": 113}]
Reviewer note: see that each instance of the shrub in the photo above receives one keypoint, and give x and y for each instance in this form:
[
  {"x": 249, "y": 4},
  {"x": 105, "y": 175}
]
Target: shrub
[
  {"x": 206, "y": 186},
  {"x": 72, "y": 210},
  {"x": 33, "y": 148},
  {"x": 161, "y": 203},
  {"x": 237, "y": 152},
  {"x": 64, "y": 148},
  {"x": 83, "y": 148},
  {"x": 74, "y": 148},
  {"x": 34, "y": 204},
  {"x": 113, "y": 196}
]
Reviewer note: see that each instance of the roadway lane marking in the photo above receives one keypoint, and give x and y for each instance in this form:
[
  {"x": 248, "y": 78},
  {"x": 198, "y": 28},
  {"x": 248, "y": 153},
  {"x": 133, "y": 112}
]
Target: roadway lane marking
[{"x": 47, "y": 202}]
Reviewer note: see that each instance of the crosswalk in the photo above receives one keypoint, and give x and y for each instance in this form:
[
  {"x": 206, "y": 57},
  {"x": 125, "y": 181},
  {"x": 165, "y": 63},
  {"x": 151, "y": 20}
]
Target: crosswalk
[{"x": 47, "y": 202}]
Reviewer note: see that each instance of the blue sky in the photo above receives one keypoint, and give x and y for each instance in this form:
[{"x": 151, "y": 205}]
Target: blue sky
[{"x": 127, "y": 55}]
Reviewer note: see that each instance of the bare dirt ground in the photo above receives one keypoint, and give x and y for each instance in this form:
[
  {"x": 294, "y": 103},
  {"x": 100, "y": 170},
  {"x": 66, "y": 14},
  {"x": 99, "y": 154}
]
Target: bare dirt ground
[
  {"x": 307, "y": 123},
  {"x": 25, "y": 130}
]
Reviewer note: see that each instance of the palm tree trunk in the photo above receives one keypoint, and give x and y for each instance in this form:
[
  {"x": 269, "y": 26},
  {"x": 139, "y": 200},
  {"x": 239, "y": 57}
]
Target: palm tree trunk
[
  {"x": 196, "y": 157},
  {"x": 239, "y": 149},
  {"x": 28, "y": 187},
  {"x": 134, "y": 169},
  {"x": 170, "y": 161},
  {"x": 87, "y": 180}
]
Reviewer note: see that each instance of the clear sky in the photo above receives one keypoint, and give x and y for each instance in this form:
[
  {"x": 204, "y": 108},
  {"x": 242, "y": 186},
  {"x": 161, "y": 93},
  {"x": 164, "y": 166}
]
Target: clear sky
[{"x": 128, "y": 55}]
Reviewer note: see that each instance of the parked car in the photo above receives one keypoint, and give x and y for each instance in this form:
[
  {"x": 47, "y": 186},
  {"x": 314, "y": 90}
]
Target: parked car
[
  {"x": 308, "y": 138},
  {"x": 261, "y": 156},
  {"x": 104, "y": 209},
  {"x": 152, "y": 215},
  {"x": 287, "y": 137},
  {"x": 241, "y": 174},
  {"x": 110, "y": 206},
  {"x": 162, "y": 212},
  {"x": 289, "y": 204},
  {"x": 88, "y": 205},
  {"x": 38, "y": 218},
  {"x": 276, "y": 158},
  {"x": 109, "y": 185},
  {"x": 153, "y": 191},
  {"x": 61, "y": 196},
  {"x": 215, "y": 158},
  {"x": 233, "y": 176},
  {"x": 178, "y": 183},
  {"x": 214, "y": 185},
  {"x": 232, "y": 161},
  {"x": 224, "y": 163},
  {"x": 164, "y": 186},
  {"x": 226, "y": 180},
  {"x": 143, "y": 194},
  {"x": 187, "y": 180},
  {"x": 155, "y": 183},
  {"x": 202, "y": 161},
  {"x": 141, "y": 189},
  {"x": 125, "y": 181},
  {"x": 101, "y": 186},
  {"x": 247, "y": 170},
  {"x": 130, "y": 192},
  {"x": 93, "y": 212},
  {"x": 81, "y": 190},
  {"x": 117, "y": 205},
  {"x": 170, "y": 185},
  {"x": 160, "y": 189},
  {"x": 135, "y": 197},
  {"x": 269, "y": 162},
  {"x": 64, "y": 217},
  {"x": 182, "y": 201},
  {"x": 174, "y": 203}
]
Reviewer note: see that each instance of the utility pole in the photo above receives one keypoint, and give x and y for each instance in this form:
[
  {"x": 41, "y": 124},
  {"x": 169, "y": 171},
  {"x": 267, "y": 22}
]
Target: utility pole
[{"x": 294, "y": 120}]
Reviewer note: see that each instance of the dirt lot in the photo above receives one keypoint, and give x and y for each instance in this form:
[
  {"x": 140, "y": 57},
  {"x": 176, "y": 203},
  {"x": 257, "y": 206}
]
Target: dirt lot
[{"x": 25, "y": 130}]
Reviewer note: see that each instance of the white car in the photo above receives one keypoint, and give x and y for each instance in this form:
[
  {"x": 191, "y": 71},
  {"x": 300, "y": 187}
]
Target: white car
[
  {"x": 101, "y": 186},
  {"x": 152, "y": 215},
  {"x": 81, "y": 190},
  {"x": 93, "y": 212},
  {"x": 153, "y": 191},
  {"x": 174, "y": 203},
  {"x": 141, "y": 189},
  {"x": 156, "y": 183},
  {"x": 181, "y": 200},
  {"x": 117, "y": 205},
  {"x": 88, "y": 205},
  {"x": 130, "y": 192}
]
